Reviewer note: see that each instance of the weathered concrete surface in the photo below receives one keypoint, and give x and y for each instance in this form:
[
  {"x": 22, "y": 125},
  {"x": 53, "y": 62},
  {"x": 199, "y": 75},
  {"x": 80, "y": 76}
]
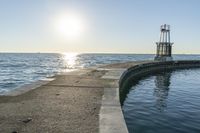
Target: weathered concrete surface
[
  {"x": 69, "y": 104},
  {"x": 111, "y": 116},
  {"x": 84, "y": 101}
]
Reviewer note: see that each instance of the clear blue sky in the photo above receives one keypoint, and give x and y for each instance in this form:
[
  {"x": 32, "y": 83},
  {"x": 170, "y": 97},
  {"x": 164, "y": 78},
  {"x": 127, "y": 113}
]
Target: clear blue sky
[{"x": 115, "y": 26}]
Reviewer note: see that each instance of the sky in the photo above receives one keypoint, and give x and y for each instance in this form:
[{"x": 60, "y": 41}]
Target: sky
[{"x": 104, "y": 26}]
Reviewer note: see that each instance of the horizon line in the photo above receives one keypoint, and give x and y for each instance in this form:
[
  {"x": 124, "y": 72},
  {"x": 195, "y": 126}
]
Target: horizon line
[{"x": 92, "y": 53}]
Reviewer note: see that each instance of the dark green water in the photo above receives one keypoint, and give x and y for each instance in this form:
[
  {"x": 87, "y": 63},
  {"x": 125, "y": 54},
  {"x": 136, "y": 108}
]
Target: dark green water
[{"x": 168, "y": 102}]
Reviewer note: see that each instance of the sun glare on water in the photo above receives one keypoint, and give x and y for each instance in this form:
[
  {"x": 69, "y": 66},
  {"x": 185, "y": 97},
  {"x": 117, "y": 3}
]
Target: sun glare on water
[
  {"x": 70, "y": 26},
  {"x": 70, "y": 60}
]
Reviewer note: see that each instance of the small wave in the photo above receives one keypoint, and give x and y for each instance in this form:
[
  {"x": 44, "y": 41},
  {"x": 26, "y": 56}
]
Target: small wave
[
  {"x": 47, "y": 79},
  {"x": 3, "y": 91},
  {"x": 13, "y": 65},
  {"x": 8, "y": 85}
]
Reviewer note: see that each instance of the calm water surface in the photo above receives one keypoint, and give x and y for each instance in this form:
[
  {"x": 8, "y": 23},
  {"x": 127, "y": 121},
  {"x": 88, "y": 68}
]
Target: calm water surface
[{"x": 168, "y": 102}]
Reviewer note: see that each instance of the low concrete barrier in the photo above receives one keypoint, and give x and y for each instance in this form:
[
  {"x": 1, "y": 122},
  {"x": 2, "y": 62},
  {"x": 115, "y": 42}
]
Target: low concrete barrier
[{"x": 136, "y": 72}]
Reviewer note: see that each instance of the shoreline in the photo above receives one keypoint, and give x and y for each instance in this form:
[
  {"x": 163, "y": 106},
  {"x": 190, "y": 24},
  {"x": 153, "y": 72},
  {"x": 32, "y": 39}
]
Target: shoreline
[
  {"x": 70, "y": 103},
  {"x": 35, "y": 84},
  {"x": 27, "y": 87}
]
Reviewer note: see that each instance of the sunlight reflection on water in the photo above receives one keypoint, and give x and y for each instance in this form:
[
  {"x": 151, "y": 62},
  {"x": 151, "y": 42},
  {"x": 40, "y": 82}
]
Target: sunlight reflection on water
[{"x": 70, "y": 60}]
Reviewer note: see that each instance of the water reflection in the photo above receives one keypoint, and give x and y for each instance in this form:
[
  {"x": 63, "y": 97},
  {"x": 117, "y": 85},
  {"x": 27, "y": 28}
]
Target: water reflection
[
  {"x": 161, "y": 90},
  {"x": 70, "y": 60},
  {"x": 167, "y": 102}
]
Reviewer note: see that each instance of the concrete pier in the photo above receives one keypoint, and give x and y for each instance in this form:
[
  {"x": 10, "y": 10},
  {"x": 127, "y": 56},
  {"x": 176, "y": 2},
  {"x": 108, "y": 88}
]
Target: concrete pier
[
  {"x": 68, "y": 104},
  {"x": 83, "y": 101}
]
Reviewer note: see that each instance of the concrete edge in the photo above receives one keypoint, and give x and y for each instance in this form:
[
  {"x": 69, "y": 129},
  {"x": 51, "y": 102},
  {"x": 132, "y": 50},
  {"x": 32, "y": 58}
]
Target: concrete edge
[
  {"x": 111, "y": 117},
  {"x": 143, "y": 69}
]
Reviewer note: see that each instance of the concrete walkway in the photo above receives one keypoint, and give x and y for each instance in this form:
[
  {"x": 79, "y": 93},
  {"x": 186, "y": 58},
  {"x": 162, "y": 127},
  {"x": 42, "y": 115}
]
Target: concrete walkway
[
  {"x": 84, "y": 101},
  {"x": 111, "y": 117}
]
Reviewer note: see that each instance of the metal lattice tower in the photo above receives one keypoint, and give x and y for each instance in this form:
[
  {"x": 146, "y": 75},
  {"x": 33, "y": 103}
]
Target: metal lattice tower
[{"x": 164, "y": 46}]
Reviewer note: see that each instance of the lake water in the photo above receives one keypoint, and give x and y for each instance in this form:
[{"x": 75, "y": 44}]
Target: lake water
[
  {"x": 167, "y": 102},
  {"x": 18, "y": 69}
]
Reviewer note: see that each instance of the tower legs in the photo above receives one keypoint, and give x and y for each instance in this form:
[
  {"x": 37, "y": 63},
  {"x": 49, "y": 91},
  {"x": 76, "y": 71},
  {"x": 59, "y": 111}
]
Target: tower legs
[{"x": 164, "y": 47}]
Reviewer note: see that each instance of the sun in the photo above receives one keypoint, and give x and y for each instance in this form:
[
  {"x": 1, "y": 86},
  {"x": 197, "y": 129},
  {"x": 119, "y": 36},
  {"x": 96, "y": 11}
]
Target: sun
[{"x": 70, "y": 26}]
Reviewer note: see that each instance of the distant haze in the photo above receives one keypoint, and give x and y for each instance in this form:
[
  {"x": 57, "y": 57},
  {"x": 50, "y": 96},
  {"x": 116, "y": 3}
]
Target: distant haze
[{"x": 98, "y": 26}]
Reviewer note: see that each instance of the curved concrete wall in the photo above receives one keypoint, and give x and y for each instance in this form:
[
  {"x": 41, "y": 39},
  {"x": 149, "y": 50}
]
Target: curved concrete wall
[{"x": 136, "y": 72}]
